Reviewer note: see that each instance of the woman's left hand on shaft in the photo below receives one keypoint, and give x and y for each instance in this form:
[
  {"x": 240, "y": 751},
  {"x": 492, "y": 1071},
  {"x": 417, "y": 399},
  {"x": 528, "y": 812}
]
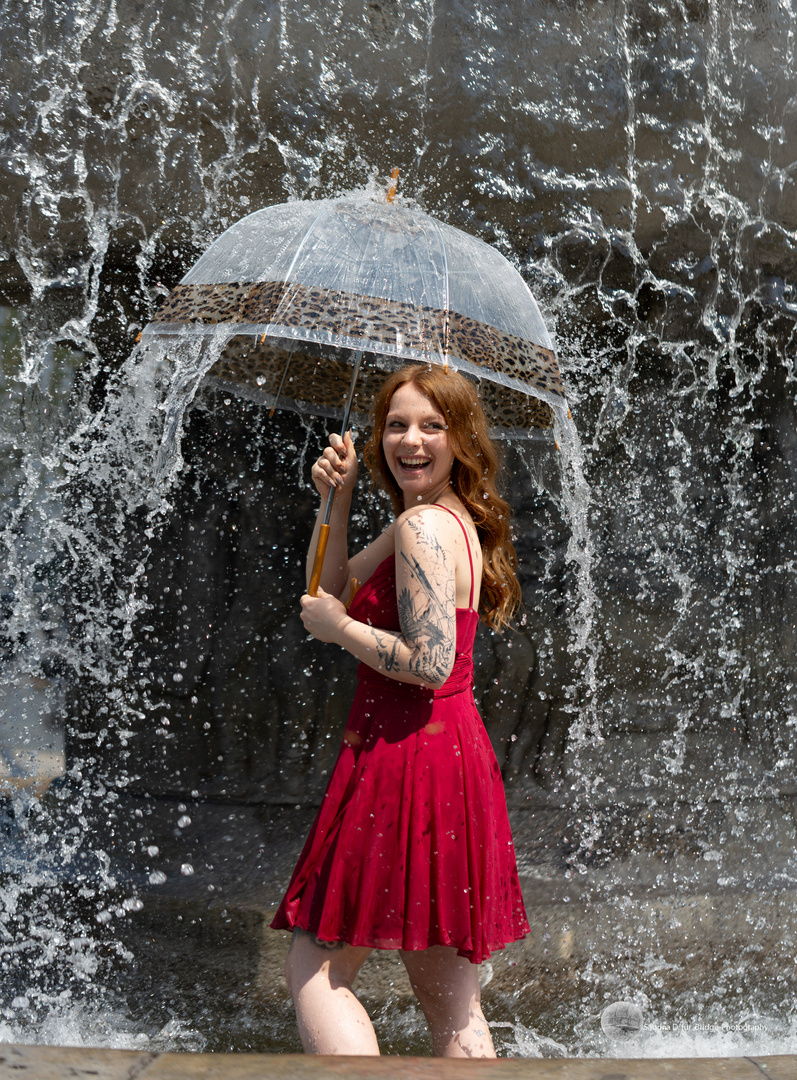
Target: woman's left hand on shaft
[{"x": 323, "y": 615}]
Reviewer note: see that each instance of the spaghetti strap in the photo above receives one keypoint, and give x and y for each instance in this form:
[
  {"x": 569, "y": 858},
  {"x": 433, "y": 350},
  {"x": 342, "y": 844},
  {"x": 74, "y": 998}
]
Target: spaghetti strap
[{"x": 467, "y": 545}]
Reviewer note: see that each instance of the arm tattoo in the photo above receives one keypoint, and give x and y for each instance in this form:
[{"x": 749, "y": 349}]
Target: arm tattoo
[
  {"x": 427, "y": 626},
  {"x": 387, "y": 649}
]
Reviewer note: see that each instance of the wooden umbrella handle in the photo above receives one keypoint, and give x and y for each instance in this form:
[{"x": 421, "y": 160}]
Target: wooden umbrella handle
[
  {"x": 323, "y": 536},
  {"x": 318, "y": 562},
  {"x": 354, "y": 588}
]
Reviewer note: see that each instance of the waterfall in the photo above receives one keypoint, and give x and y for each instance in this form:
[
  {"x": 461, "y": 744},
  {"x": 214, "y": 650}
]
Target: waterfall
[{"x": 636, "y": 163}]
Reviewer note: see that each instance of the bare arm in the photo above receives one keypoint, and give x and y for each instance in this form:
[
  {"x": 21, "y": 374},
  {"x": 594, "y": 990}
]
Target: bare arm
[
  {"x": 336, "y": 467},
  {"x": 422, "y": 652}
]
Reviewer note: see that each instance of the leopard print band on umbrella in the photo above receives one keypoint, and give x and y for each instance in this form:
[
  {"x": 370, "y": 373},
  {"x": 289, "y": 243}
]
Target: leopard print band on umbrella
[{"x": 519, "y": 380}]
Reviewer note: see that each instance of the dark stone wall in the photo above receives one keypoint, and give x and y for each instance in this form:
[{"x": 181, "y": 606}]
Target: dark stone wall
[
  {"x": 234, "y": 700},
  {"x": 635, "y": 161}
]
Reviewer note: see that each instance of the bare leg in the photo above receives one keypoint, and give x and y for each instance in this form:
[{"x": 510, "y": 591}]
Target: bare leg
[
  {"x": 331, "y": 1020},
  {"x": 447, "y": 989}
]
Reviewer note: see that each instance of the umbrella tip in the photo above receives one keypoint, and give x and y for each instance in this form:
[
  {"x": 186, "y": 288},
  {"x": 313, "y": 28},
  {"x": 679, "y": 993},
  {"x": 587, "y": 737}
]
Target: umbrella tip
[{"x": 391, "y": 191}]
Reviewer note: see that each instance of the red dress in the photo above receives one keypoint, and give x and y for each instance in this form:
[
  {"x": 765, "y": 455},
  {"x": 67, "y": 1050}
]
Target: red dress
[{"x": 411, "y": 846}]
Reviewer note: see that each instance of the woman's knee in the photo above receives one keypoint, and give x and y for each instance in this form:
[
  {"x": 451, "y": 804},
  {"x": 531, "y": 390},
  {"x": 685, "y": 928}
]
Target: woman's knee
[
  {"x": 309, "y": 957},
  {"x": 303, "y": 961},
  {"x": 291, "y": 966},
  {"x": 444, "y": 983}
]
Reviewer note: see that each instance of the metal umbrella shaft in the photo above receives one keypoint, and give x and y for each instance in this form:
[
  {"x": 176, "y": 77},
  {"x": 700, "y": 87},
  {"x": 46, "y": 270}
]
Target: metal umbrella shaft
[{"x": 323, "y": 536}]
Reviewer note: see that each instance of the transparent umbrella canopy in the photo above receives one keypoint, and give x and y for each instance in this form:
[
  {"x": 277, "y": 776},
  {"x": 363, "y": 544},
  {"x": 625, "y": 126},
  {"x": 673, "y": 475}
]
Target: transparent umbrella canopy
[
  {"x": 314, "y": 301},
  {"x": 302, "y": 288}
]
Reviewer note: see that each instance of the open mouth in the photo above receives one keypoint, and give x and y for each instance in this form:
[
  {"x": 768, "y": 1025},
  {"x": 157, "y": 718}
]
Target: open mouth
[{"x": 414, "y": 464}]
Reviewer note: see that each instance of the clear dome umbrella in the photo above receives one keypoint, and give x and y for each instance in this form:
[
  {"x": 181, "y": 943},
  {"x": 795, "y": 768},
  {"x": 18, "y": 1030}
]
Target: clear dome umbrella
[{"x": 316, "y": 300}]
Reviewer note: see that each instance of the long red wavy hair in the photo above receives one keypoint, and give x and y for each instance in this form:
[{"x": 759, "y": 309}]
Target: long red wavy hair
[{"x": 473, "y": 477}]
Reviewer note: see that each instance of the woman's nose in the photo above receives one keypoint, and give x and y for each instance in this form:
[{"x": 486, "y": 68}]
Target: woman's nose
[{"x": 413, "y": 437}]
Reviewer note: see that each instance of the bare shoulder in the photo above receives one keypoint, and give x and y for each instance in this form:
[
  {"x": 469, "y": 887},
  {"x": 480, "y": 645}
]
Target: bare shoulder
[
  {"x": 434, "y": 539},
  {"x": 429, "y": 517},
  {"x": 430, "y": 527},
  {"x": 450, "y": 525},
  {"x": 426, "y": 567}
]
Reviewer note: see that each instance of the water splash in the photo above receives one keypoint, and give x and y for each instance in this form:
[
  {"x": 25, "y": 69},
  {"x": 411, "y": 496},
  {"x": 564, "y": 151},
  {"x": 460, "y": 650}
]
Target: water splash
[{"x": 638, "y": 166}]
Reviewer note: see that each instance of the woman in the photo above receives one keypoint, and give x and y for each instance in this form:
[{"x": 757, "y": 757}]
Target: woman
[{"x": 411, "y": 849}]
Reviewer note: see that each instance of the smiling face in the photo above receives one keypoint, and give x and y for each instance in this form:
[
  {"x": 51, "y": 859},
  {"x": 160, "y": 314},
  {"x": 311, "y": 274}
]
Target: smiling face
[{"x": 416, "y": 445}]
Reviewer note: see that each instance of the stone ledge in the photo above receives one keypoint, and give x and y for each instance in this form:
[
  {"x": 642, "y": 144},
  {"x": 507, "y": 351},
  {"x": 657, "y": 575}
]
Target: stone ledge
[{"x": 58, "y": 1063}]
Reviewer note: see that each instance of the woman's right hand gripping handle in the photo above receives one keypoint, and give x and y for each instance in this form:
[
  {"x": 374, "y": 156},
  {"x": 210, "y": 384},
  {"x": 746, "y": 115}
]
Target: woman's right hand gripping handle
[{"x": 336, "y": 469}]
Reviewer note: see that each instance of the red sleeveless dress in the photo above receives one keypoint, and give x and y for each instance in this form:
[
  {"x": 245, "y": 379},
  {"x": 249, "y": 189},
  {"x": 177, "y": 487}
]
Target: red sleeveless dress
[{"x": 411, "y": 846}]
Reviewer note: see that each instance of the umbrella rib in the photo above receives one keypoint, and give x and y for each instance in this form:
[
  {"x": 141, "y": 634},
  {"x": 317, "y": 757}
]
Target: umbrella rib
[
  {"x": 447, "y": 308},
  {"x": 302, "y": 242},
  {"x": 323, "y": 536},
  {"x": 354, "y": 241},
  {"x": 282, "y": 382}
]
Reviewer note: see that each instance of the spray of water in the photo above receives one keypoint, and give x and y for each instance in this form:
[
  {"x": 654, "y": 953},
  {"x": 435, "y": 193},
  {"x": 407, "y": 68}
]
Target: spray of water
[{"x": 638, "y": 167}]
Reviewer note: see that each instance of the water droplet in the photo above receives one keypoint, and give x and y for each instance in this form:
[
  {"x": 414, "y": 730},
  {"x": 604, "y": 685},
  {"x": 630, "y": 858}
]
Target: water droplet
[
  {"x": 186, "y": 869},
  {"x": 157, "y": 877}
]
